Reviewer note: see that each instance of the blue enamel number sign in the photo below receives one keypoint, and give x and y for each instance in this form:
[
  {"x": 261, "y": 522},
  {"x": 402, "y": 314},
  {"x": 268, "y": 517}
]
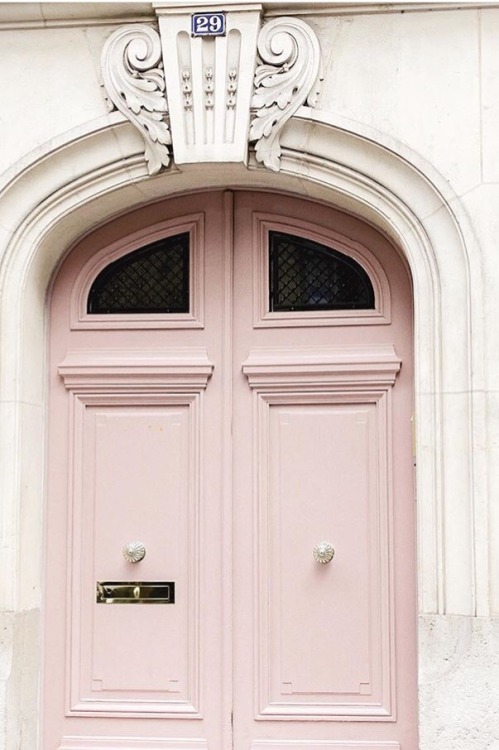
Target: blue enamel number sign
[{"x": 208, "y": 24}]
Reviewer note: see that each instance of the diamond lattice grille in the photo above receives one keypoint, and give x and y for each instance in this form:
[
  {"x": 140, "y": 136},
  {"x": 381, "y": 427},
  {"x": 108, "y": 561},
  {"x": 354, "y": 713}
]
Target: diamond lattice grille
[
  {"x": 305, "y": 275},
  {"x": 154, "y": 279}
]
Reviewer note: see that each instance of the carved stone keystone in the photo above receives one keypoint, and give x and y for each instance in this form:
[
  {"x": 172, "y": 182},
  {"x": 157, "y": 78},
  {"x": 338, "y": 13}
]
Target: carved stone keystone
[
  {"x": 223, "y": 91},
  {"x": 210, "y": 83}
]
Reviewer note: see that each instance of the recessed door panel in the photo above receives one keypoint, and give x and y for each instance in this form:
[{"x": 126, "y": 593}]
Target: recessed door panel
[
  {"x": 327, "y": 651},
  {"x": 135, "y": 472}
]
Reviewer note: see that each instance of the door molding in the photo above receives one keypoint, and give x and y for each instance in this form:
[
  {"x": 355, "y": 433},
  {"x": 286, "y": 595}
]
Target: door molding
[
  {"x": 262, "y": 224},
  {"x": 336, "y": 377},
  {"x": 44, "y": 210},
  {"x": 193, "y": 224},
  {"x": 134, "y": 743},
  {"x": 273, "y": 369},
  {"x": 265, "y": 745},
  {"x": 186, "y": 370}
]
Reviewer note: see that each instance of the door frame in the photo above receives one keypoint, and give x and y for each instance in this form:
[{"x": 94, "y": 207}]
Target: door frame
[{"x": 45, "y": 214}]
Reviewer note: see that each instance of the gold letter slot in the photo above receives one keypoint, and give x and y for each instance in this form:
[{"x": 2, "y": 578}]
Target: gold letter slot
[{"x": 144, "y": 592}]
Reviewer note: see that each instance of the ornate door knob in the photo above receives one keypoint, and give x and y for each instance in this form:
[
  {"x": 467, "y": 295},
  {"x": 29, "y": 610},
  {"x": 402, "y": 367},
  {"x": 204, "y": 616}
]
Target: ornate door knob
[
  {"x": 134, "y": 552},
  {"x": 323, "y": 552}
]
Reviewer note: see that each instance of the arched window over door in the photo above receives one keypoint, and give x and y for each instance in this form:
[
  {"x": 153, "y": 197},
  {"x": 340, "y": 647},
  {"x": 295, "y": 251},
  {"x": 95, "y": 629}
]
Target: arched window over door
[
  {"x": 305, "y": 275},
  {"x": 152, "y": 279}
]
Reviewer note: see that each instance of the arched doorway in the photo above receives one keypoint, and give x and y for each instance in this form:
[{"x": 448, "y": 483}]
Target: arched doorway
[{"x": 232, "y": 434}]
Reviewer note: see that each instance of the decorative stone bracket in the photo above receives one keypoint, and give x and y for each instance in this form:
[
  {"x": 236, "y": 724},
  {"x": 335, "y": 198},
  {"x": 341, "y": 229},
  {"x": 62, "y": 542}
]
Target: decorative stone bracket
[{"x": 204, "y": 98}]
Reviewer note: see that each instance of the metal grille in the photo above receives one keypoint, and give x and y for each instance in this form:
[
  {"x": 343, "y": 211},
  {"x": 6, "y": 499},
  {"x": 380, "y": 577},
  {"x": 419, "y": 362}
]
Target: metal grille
[
  {"x": 307, "y": 276},
  {"x": 154, "y": 279}
]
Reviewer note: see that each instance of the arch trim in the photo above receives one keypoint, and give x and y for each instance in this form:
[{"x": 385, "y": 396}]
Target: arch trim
[{"x": 79, "y": 182}]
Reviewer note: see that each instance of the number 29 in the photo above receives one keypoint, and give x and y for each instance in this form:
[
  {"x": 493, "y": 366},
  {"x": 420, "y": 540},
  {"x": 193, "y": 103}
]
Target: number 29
[{"x": 206, "y": 24}]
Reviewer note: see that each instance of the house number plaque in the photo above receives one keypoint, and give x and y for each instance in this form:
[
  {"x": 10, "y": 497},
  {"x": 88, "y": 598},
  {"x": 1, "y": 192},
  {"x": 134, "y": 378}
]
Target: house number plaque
[{"x": 208, "y": 24}]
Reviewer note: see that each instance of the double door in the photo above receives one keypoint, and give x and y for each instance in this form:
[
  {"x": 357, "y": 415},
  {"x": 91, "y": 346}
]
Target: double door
[{"x": 230, "y": 517}]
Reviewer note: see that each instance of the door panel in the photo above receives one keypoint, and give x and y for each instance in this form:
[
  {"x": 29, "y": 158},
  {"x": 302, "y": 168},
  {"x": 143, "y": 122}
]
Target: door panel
[
  {"x": 329, "y": 411},
  {"x": 135, "y": 446},
  {"x": 230, "y": 448},
  {"x": 324, "y": 484},
  {"x": 133, "y": 484}
]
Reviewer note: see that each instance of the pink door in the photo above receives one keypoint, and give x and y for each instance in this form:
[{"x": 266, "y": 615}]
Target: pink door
[{"x": 230, "y": 521}]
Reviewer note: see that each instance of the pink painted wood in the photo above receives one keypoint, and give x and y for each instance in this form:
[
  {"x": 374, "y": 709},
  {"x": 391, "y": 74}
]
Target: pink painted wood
[{"x": 230, "y": 444}]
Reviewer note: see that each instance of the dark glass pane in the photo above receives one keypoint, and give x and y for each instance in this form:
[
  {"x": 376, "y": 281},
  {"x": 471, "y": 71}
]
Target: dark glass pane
[
  {"x": 307, "y": 276},
  {"x": 154, "y": 279}
]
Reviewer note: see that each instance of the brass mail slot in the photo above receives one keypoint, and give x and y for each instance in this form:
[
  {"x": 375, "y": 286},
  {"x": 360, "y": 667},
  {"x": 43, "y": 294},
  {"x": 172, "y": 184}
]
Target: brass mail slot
[{"x": 143, "y": 592}]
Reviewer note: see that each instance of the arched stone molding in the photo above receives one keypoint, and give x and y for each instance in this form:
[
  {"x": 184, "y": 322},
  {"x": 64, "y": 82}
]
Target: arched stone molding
[{"x": 99, "y": 171}]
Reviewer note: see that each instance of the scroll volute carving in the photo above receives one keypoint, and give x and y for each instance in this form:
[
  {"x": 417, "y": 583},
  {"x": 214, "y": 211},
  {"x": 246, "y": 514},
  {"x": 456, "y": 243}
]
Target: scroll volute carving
[
  {"x": 289, "y": 74},
  {"x": 134, "y": 79}
]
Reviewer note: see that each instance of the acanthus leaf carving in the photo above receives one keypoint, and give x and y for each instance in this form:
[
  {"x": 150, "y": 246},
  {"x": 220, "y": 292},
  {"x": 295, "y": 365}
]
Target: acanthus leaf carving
[
  {"x": 289, "y": 75},
  {"x": 135, "y": 83}
]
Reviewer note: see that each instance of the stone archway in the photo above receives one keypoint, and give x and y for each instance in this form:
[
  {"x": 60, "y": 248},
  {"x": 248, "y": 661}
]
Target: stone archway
[{"x": 44, "y": 212}]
